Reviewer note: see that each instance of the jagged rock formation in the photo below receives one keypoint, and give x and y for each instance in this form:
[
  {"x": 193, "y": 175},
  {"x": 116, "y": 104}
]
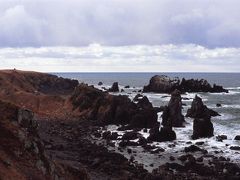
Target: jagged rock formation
[
  {"x": 110, "y": 109},
  {"x": 22, "y": 154},
  {"x": 165, "y": 84},
  {"x": 198, "y": 109},
  {"x": 202, "y": 125},
  {"x": 172, "y": 114},
  {"x": 114, "y": 87}
]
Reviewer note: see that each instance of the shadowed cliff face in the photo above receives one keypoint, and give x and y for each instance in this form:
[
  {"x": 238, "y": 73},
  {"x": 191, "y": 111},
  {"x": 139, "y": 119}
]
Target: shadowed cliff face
[
  {"x": 22, "y": 154},
  {"x": 109, "y": 109}
]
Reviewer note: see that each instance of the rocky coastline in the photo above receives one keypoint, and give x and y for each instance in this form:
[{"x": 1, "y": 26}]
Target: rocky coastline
[{"x": 61, "y": 128}]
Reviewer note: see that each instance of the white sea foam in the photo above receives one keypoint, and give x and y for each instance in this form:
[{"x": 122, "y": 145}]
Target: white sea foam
[
  {"x": 183, "y": 136},
  {"x": 224, "y": 116},
  {"x": 233, "y": 88}
]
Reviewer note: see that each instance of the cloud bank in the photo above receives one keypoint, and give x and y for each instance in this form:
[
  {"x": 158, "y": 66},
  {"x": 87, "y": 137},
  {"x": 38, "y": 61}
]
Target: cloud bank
[
  {"x": 134, "y": 58},
  {"x": 28, "y": 23}
]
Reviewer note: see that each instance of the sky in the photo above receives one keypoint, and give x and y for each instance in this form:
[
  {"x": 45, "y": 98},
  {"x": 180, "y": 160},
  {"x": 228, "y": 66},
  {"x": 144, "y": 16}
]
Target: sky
[{"x": 120, "y": 35}]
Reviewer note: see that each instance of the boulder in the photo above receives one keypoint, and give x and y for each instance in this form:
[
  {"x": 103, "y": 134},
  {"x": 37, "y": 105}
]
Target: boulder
[
  {"x": 235, "y": 148},
  {"x": 114, "y": 87},
  {"x": 100, "y": 83},
  {"x": 237, "y": 138},
  {"x": 165, "y": 134},
  {"x": 220, "y": 138},
  {"x": 130, "y": 135},
  {"x": 192, "y": 148}
]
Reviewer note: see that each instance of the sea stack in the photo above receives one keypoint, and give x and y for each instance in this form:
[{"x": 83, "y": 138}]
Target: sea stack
[
  {"x": 173, "y": 112},
  {"x": 202, "y": 125},
  {"x": 114, "y": 87},
  {"x": 172, "y": 116}
]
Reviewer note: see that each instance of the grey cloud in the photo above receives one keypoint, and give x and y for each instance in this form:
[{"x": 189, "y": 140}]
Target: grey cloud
[{"x": 119, "y": 22}]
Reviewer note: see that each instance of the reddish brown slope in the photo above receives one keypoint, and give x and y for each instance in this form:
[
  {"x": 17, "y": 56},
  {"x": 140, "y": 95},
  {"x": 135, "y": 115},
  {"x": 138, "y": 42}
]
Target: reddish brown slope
[{"x": 42, "y": 93}]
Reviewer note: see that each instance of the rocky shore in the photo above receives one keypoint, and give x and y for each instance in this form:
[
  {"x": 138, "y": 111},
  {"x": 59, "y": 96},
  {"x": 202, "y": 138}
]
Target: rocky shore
[{"x": 56, "y": 128}]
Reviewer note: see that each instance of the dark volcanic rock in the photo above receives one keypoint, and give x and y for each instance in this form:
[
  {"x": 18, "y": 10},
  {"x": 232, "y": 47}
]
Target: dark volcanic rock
[
  {"x": 137, "y": 97},
  {"x": 100, "y": 83},
  {"x": 144, "y": 118},
  {"x": 161, "y": 84},
  {"x": 236, "y": 148},
  {"x": 202, "y": 128},
  {"x": 114, "y": 87},
  {"x": 172, "y": 115},
  {"x": 202, "y": 125},
  {"x": 192, "y": 148},
  {"x": 144, "y": 103},
  {"x": 221, "y": 138},
  {"x": 109, "y": 135},
  {"x": 237, "y": 137},
  {"x": 199, "y": 110},
  {"x": 218, "y": 105},
  {"x": 130, "y": 135},
  {"x": 110, "y": 109},
  {"x": 164, "y": 84},
  {"x": 165, "y": 134}
]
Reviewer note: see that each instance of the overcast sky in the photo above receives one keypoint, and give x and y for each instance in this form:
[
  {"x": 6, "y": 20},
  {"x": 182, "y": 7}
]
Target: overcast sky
[{"x": 120, "y": 35}]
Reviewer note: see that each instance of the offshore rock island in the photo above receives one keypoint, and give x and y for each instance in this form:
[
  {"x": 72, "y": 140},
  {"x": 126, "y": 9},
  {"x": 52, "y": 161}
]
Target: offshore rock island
[{"x": 57, "y": 128}]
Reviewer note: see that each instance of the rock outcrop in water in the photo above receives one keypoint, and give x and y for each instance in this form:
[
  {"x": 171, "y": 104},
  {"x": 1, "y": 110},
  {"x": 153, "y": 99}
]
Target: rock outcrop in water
[
  {"x": 198, "y": 109},
  {"x": 172, "y": 115},
  {"x": 162, "y": 84},
  {"x": 114, "y": 87},
  {"x": 202, "y": 125},
  {"x": 110, "y": 109},
  {"x": 165, "y": 84}
]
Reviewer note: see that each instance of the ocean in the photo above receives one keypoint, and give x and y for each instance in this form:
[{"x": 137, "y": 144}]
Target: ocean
[{"x": 226, "y": 124}]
